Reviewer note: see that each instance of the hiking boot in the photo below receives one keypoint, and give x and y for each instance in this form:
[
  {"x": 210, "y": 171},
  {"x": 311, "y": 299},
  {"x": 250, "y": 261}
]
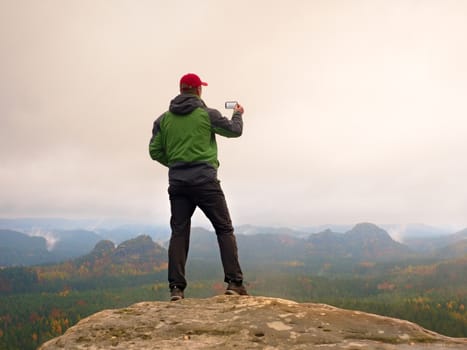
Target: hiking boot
[
  {"x": 236, "y": 288},
  {"x": 176, "y": 294}
]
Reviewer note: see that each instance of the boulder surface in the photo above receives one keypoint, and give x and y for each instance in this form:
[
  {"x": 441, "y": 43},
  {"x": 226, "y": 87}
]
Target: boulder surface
[{"x": 245, "y": 322}]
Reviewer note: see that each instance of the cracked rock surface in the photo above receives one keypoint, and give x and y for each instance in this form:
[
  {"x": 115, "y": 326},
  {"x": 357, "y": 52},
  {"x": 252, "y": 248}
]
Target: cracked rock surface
[{"x": 239, "y": 322}]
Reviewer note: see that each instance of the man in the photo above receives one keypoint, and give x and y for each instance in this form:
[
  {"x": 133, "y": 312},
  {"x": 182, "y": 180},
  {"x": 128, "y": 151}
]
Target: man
[{"x": 183, "y": 139}]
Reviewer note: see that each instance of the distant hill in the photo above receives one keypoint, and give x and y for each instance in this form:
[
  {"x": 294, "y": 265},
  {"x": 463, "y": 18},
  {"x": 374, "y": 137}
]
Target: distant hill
[
  {"x": 139, "y": 255},
  {"x": 404, "y": 232},
  {"x": 458, "y": 237},
  {"x": 254, "y": 247},
  {"x": 368, "y": 241},
  {"x": 436, "y": 245},
  {"x": 112, "y": 229},
  {"x": 140, "y": 249},
  {"x": 363, "y": 242},
  {"x": 257, "y": 245},
  {"x": 74, "y": 243},
  {"x": 452, "y": 250},
  {"x": 18, "y": 240},
  {"x": 45, "y": 245},
  {"x": 17, "y": 248}
]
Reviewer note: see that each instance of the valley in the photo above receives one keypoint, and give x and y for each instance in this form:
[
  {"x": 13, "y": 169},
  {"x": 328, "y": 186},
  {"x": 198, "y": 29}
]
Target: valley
[{"x": 361, "y": 269}]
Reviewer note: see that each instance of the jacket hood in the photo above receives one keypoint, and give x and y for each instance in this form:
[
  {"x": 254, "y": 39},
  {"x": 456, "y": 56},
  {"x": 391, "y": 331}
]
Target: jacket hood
[{"x": 184, "y": 104}]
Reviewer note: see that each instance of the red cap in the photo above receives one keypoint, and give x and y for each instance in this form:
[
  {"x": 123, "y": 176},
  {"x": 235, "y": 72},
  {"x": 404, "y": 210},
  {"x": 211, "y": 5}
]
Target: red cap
[{"x": 192, "y": 80}]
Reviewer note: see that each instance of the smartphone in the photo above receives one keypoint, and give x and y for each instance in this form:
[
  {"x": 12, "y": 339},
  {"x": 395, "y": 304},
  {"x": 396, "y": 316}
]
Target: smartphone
[{"x": 230, "y": 104}]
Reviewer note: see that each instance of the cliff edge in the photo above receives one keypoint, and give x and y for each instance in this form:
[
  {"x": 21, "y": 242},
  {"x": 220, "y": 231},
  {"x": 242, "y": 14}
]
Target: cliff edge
[{"x": 232, "y": 322}]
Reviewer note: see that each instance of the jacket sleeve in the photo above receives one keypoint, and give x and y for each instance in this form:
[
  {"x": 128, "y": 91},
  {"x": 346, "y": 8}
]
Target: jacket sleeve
[
  {"x": 224, "y": 126},
  {"x": 156, "y": 147}
]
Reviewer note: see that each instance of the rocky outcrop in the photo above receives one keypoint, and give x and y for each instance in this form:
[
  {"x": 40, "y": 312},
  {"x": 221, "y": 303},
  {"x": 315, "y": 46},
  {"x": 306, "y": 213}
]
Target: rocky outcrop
[{"x": 231, "y": 322}]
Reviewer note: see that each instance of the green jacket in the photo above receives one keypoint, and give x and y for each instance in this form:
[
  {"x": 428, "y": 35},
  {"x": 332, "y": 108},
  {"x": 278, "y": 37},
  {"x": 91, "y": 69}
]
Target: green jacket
[{"x": 183, "y": 139}]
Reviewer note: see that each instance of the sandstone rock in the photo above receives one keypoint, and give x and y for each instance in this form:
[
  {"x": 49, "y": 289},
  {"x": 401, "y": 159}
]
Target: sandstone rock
[{"x": 234, "y": 322}]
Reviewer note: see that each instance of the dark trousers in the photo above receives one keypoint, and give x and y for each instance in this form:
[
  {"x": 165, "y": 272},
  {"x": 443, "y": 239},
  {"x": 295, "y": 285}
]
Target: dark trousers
[{"x": 210, "y": 198}]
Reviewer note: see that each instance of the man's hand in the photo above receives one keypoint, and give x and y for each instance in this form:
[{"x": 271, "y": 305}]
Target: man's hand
[{"x": 238, "y": 109}]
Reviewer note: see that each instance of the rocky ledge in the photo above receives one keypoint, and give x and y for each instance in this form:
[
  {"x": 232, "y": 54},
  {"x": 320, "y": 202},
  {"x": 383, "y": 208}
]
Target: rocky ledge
[{"x": 233, "y": 322}]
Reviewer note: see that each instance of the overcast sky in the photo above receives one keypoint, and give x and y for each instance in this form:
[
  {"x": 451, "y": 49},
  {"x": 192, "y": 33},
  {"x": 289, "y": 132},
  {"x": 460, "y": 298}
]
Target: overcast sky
[{"x": 354, "y": 110}]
